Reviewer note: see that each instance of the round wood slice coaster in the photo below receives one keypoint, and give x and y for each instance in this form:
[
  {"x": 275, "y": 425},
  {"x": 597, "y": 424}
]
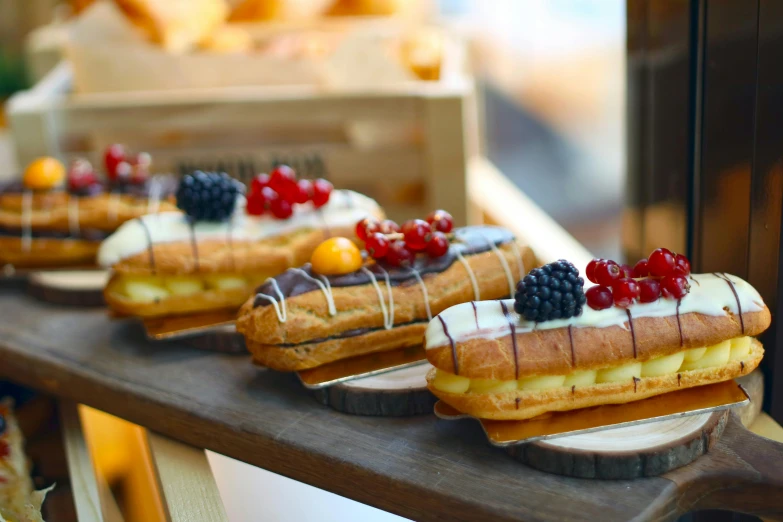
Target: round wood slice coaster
[
  {"x": 644, "y": 450},
  {"x": 395, "y": 393},
  {"x": 69, "y": 287}
]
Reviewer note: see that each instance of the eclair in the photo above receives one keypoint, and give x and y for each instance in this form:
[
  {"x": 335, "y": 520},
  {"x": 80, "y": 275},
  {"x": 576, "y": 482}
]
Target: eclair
[
  {"x": 213, "y": 256},
  {"x": 304, "y": 318},
  {"x": 493, "y": 363},
  {"x": 46, "y": 223}
]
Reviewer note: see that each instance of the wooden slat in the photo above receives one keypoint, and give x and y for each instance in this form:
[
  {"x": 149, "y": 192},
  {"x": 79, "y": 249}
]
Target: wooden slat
[
  {"x": 185, "y": 481},
  {"x": 766, "y": 426},
  {"x": 86, "y": 493}
]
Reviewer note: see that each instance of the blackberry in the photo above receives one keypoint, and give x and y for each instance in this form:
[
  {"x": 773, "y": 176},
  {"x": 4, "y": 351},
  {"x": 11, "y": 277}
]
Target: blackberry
[
  {"x": 554, "y": 291},
  {"x": 208, "y": 196}
]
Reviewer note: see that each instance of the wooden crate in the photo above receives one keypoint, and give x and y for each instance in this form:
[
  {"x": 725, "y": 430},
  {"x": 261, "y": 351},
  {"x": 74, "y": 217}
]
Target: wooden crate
[{"x": 407, "y": 145}]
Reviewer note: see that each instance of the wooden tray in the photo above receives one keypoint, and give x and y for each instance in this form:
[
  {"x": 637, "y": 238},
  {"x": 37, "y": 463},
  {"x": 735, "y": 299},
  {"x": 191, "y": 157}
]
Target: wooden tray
[{"x": 417, "y": 467}]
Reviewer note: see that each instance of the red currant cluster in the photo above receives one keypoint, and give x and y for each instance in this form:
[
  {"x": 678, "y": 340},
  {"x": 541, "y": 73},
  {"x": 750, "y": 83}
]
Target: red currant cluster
[
  {"x": 278, "y": 191},
  {"x": 398, "y": 246},
  {"x": 121, "y": 167},
  {"x": 663, "y": 273}
]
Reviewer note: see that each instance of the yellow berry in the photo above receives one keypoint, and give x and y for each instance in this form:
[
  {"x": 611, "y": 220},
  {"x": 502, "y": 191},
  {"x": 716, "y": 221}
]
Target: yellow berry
[
  {"x": 44, "y": 174},
  {"x": 336, "y": 256}
]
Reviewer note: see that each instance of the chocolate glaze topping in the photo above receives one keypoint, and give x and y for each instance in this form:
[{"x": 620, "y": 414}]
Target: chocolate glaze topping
[{"x": 468, "y": 241}]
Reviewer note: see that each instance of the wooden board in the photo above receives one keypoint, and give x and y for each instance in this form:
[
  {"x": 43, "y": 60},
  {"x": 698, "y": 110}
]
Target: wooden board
[
  {"x": 417, "y": 467},
  {"x": 391, "y": 394}
]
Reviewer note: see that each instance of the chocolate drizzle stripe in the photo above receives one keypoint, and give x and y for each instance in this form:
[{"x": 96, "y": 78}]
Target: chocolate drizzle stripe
[
  {"x": 453, "y": 345},
  {"x": 742, "y": 366},
  {"x": 633, "y": 334},
  {"x": 150, "y": 249},
  {"x": 517, "y": 401},
  {"x": 723, "y": 276},
  {"x": 571, "y": 342},
  {"x": 636, "y": 381},
  {"x": 679, "y": 378},
  {"x": 679, "y": 324},
  {"x": 513, "y": 338},
  {"x": 475, "y": 313},
  {"x": 193, "y": 242},
  {"x": 573, "y": 389},
  {"x": 695, "y": 280}
]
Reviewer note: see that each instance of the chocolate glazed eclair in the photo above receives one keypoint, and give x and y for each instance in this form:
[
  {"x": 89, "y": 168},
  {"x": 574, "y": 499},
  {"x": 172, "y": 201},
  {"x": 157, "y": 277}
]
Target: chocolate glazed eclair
[
  {"x": 302, "y": 320},
  {"x": 491, "y": 363}
]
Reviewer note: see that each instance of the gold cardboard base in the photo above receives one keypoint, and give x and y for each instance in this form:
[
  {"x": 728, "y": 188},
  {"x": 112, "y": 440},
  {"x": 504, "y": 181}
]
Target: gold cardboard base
[{"x": 361, "y": 366}]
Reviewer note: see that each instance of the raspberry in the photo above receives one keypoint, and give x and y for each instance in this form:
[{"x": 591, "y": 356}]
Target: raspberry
[
  {"x": 675, "y": 286},
  {"x": 599, "y": 297},
  {"x": 649, "y": 290},
  {"x": 554, "y": 291},
  {"x": 661, "y": 262},
  {"x": 625, "y": 291},
  {"x": 607, "y": 272}
]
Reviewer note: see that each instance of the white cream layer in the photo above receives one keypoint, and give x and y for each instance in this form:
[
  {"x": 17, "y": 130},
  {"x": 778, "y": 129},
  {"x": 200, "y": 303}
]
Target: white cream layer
[
  {"x": 345, "y": 208},
  {"x": 709, "y": 295}
]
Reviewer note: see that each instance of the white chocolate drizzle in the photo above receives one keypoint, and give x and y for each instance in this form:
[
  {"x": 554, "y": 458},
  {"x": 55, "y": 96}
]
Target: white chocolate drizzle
[
  {"x": 506, "y": 269},
  {"x": 711, "y": 296},
  {"x": 153, "y": 199},
  {"x": 471, "y": 275},
  {"x": 390, "y": 293},
  {"x": 388, "y": 318},
  {"x": 424, "y": 292},
  {"x": 518, "y": 257},
  {"x": 325, "y": 287},
  {"x": 73, "y": 216},
  {"x": 280, "y": 310},
  {"x": 27, "y": 220}
]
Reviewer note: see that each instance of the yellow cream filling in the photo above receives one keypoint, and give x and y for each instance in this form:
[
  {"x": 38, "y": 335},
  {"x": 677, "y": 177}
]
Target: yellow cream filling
[
  {"x": 692, "y": 359},
  {"x": 148, "y": 289}
]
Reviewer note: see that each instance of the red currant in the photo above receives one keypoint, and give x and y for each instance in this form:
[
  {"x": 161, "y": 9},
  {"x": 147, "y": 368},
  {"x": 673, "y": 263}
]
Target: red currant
[
  {"x": 625, "y": 291},
  {"x": 303, "y": 192},
  {"x": 367, "y": 226},
  {"x": 626, "y": 270},
  {"x": 80, "y": 175},
  {"x": 256, "y": 205},
  {"x": 660, "y": 262},
  {"x": 389, "y": 227},
  {"x": 417, "y": 234},
  {"x": 259, "y": 182},
  {"x": 599, "y": 297},
  {"x": 399, "y": 254},
  {"x": 283, "y": 181},
  {"x": 675, "y": 286},
  {"x": 376, "y": 245},
  {"x": 590, "y": 270},
  {"x": 438, "y": 245},
  {"x": 607, "y": 272},
  {"x": 440, "y": 221},
  {"x": 681, "y": 265},
  {"x": 114, "y": 155},
  {"x": 322, "y": 190},
  {"x": 640, "y": 269},
  {"x": 123, "y": 171},
  {"x": 649, "y": 290},
  {"x": 281, "y": 208}
]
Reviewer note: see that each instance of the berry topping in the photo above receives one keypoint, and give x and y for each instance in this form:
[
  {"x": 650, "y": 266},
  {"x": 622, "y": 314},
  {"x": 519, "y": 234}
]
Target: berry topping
[
  {"x": 681, "y": 265},
  {"x": 590, "y": 270},
  {"x": 283, "y": 181},
  {"x": 417, "y": 233},
  {"x": 389, "y": 227},
  {"x": 322, "y": 190},
  {"x": 208, "y": 196},
  {"x": 599, "y": 297},
  {"x": 400, "y": 255},
  {"x": 440, "y": 221},
  {"x": 554, "y": 291},
  {"x": 376, "y": 245},
  {"x": 81, "y": 177},
  {"x": 259, "y": 182},
  {"x": 607, "y": 272},
  {"x": 366, "y": 227},
  {"x": 44, "y": 174},
  {"x": 661, "y": 262},
  {"x": 336, "y": 256},
  {"x": 281, "y": 208},
  {"x": 625, "y": 292},
  {"x": 626, "y": 270},
  {"x": 675, "y": 286},
  {"x": 140, "y": 168},
  {"x": 649, "y": 290},
  {"x": 640, "y": 269},
  {"x": 2, "y": 424},
  {"x": 438, "y": 245},
  {"x": 114, "y": 155},
  {"x": 304, "y": 191}
]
